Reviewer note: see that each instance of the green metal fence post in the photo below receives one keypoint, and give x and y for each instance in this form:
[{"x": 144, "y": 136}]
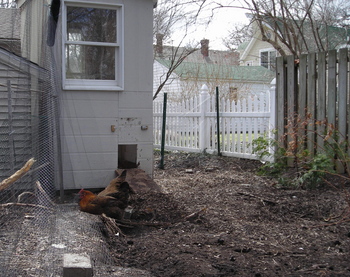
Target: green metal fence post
[
  {"x": 161, "y": 165},
  {"x": 218, "y": 120}
]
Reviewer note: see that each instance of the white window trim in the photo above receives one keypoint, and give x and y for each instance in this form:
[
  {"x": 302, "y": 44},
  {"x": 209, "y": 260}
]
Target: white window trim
[
  {"x": 266, "y": 50},
  {"x": 87, "y": 84}
]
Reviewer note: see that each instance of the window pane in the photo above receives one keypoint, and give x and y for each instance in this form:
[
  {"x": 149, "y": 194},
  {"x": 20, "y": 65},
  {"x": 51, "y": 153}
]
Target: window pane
[
  {"x": 264, "y": 59},
  {"x": 90, "y": 62},
  {"x": 273, "y": 60},
  {"x": 91, "y": 24}
]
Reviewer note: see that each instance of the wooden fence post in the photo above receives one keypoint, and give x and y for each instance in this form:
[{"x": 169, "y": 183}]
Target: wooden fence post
[
  {"x": 342, "y": 107},
  {"x": 281, "y": 98},
  {"x": 203, "y": 126}
]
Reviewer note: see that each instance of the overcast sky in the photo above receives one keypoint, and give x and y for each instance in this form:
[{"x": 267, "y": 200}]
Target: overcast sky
[{"x": 223, "y": 19}]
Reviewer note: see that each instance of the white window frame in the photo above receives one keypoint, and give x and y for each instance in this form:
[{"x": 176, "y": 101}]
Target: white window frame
[
  {"x": 269, "y": 50},
  {"x": 87, "y": 84}
]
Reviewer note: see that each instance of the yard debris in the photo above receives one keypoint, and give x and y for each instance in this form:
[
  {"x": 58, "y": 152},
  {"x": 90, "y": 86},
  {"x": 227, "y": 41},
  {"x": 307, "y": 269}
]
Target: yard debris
[
  {"x": 194, "y": 216},
  {"x": 24, "y": 205},
  {"x": 265, "y": 201},
  {"x": 19, "y": 199},
  {"x": 111, "y": 225},
  {"x": 18, "y": 174},
  {"x": 43, "y": 192}
]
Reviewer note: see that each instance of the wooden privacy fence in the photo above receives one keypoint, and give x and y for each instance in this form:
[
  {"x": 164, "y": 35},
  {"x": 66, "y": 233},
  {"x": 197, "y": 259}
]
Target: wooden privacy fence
[
  {"x": 313, "y": 90},
  {"x": 192, "y": 125}
]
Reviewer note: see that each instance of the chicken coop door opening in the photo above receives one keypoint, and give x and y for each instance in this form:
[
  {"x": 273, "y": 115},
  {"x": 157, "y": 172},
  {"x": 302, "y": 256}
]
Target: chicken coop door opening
[{"x": 127, "y": 156}]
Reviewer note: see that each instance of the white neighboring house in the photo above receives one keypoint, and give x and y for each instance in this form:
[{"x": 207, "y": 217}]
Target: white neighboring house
[
  {"x": 257, "y": 52},
  {"x": 234, "y": 81}
]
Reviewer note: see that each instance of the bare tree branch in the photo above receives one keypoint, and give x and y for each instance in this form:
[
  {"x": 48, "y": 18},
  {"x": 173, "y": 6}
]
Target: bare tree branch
[
  {"x": 18, "y": 174},
  {"x": 300, "y": 26}
]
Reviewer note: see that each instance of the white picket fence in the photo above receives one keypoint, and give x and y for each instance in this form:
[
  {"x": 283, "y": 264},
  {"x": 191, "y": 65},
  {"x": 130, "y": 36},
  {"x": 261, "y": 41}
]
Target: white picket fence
[{"x": 192, "y": 125}]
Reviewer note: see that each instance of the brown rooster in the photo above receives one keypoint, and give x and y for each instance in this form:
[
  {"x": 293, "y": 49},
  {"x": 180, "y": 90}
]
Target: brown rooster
[
  {"x": 111, "y": 201},
  {"x": 94, "y": 204},
  {"x": 118, "y": 187}
]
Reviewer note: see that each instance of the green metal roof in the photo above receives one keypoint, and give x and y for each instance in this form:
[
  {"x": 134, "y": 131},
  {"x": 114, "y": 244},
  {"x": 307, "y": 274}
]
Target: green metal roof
[{"x": 211, "y": 71}]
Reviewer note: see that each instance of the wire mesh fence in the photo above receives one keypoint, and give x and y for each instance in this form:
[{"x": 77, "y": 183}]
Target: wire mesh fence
[
  {"x": 29, "y": 128},
  {"x": 36, "y": 228}
]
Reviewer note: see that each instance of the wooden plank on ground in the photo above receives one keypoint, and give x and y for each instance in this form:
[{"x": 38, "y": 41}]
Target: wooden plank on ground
[{"x": 139, "y": 180}]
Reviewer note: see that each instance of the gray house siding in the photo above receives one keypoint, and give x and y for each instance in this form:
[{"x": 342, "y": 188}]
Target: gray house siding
[{"x": 97, "y": 125}]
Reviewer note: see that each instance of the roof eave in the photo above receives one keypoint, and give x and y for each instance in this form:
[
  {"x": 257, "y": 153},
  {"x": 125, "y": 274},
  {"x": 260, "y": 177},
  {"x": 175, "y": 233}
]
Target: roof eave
[{"x": 247, "y": 49}]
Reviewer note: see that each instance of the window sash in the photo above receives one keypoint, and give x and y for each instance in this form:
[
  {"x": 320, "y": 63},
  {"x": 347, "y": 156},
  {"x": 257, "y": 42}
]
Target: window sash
[
  {"x": 79, "y": 59},
  {"x": 267, "y": 58},
  {"x": 264, "y": 58},
  {"x": 76, "y": 80},
  {"x": 95, "y": 24}
]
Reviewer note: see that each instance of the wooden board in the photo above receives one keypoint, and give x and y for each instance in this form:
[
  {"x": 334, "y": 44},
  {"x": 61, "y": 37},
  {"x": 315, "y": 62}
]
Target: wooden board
[{"x": 139, "y": 180}]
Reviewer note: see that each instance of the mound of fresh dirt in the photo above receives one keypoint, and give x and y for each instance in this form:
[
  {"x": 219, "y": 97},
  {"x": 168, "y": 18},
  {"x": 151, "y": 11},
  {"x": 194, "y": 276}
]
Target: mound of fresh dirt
[{"x": 216, "y": 217}]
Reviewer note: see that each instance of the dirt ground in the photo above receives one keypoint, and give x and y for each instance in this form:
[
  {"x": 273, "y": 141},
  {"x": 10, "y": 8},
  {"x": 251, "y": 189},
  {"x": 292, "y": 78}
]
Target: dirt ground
[
  {"x": 214, "y": 216},
  {"x": 243, "y": 224}
]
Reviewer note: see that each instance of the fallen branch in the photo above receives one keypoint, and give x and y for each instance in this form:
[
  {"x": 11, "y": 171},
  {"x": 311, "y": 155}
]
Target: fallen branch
[
  {"x": 270, "y": 202},
  {"x": 18, "y": 174},
  {"x": 345, "y": 217},
  {"x": 40, "y": 188},
  {"x": 19, "y": 197},
  {"x": 25, "y": 205},
  {"x": 141, "y": 223},
  {"x": 39, "y": 167},
  {"x": 195, "y": 215},
  {"x": 111, "y": 225}
]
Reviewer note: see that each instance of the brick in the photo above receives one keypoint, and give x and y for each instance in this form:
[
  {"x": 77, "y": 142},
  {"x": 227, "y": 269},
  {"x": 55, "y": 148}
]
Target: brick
[{"x": 77, "y": 265}]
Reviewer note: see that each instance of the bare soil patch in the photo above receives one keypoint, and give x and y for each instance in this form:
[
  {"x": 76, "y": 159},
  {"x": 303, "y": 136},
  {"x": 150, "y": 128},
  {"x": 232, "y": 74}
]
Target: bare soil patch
[
  {"x": 244, "y": 225},
  {"x": 214, "y": 216}
]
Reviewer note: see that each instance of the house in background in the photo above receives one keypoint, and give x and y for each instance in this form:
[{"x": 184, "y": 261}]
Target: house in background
[
  {"x": 100, "y": 69},
  {"x": 256, "y": 52},
  {"x": 213, "y": 68}
]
